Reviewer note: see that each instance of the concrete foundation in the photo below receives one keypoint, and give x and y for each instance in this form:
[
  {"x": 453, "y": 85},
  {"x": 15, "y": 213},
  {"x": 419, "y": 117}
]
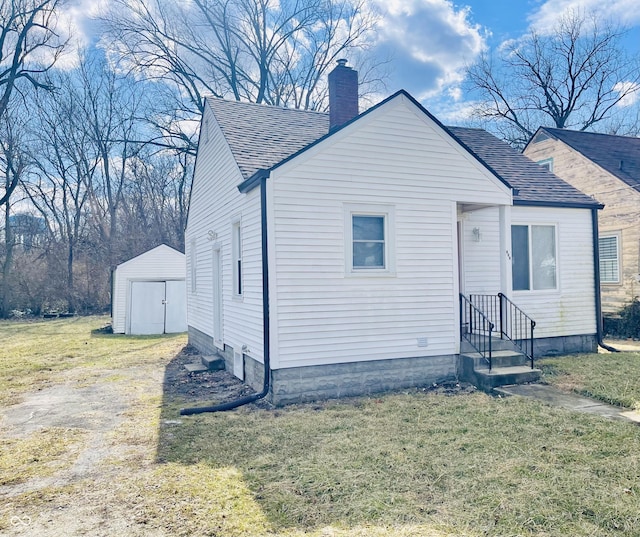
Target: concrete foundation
[
  {"x": 557, "y": 346},
  {"x": 310, "y": 383}
]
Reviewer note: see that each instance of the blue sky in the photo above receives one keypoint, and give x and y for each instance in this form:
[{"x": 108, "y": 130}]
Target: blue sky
[{"x": 431, "y": 41}]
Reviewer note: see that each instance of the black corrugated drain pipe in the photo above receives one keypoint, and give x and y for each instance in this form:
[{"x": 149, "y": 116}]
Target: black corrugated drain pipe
[
  {"x": 596, "y": 277},
  {"x": 265, "y": 324}
]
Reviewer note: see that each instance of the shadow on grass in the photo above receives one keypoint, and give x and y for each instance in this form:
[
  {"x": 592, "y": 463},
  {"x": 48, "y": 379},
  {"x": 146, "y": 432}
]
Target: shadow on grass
[
  {"x": 305, "y": 467},
  {"x": 440, "y": 462}
]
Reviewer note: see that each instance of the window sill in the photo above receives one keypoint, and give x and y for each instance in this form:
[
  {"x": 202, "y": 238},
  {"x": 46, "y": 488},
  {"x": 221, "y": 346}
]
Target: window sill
[
  {"x": 525, "y": 292},
  {"x": 374, "y": 273}
]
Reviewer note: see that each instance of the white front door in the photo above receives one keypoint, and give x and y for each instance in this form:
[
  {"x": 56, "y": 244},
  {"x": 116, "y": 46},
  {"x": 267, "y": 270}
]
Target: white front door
[
  {"x": 147, "y": 307},
  {"x": 175, "y": 320}
]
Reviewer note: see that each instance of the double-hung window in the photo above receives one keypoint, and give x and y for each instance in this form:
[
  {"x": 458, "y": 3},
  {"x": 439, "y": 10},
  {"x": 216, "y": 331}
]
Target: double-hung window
[
  {"x": 534, "y": 265},
  {"x": 609, "y": 259},
  {"x": 369, "y": 240}
]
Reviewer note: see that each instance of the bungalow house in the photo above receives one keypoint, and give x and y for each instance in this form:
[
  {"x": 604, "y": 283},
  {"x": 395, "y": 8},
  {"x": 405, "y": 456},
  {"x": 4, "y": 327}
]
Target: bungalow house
[
  {"x": 338, "y": 254},
  {"x": 607, "y": 168}
]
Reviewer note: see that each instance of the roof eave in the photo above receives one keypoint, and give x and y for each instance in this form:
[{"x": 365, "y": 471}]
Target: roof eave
[
  {"x": 560, "y": 204},
  {"x": 252, "y": 182}
]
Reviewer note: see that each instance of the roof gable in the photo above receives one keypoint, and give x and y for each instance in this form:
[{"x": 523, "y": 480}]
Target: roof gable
[
  {"x": 618, "y": 155},
  {"x": 158, "y": 253},
  {"x": 263, "y": 137}
]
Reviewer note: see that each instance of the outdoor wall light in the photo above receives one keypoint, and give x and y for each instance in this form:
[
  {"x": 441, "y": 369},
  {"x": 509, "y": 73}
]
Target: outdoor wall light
[{"x": 476, "y": 234}]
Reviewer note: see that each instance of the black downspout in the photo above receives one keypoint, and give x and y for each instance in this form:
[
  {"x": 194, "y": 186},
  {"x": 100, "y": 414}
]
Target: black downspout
[
  {"x": 265, "y": 323},
  {"x": 596, "y": 277}
]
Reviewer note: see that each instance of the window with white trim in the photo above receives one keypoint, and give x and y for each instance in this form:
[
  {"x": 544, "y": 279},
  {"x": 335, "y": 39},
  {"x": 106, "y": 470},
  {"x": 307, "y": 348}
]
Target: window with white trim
[
  {"x": 368, "y": 238},
  {"x": 546, "y": 163},
  {"x": 369, "y": 245},
  {"x": 533, "y": 251},
  {"x": 609, "y": 259},
  {"x": 236, "y": 254}
]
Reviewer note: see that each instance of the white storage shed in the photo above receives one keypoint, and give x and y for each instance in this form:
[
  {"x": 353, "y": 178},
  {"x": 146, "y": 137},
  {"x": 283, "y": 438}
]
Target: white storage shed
[{"x": 149, "y": 293}]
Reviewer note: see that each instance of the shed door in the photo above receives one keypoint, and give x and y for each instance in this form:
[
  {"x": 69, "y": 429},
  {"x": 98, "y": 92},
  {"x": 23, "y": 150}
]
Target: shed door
[
  {"x": 147, "y": 307},
  {"x": 176, "y": 307}
]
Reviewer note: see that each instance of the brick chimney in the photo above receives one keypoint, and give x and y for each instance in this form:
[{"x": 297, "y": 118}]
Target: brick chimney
[{"x": 343, "y": 95}]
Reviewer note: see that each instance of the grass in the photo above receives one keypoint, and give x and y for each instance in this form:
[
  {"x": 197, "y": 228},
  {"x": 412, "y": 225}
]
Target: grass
[
  {"x": 33, "y": 353},
  {"x": 41, "y": 454},
  {"x": 462, "y": 465},
  {"x": 406, "y": 464},
  {"x": 612, "y": 378}
]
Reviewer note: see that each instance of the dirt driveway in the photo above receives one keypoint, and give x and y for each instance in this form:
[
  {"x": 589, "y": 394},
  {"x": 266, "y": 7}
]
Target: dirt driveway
[{"x": 80, "y": 451}]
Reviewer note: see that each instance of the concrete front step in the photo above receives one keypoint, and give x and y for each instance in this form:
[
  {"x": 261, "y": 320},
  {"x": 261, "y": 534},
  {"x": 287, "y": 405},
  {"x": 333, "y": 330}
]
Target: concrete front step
[
  {"x": 502, "y": 376},
  {"x": 504, "y": 358},
  {"x": 508, "y": 367},
  {"x": 497, "y": 344}
]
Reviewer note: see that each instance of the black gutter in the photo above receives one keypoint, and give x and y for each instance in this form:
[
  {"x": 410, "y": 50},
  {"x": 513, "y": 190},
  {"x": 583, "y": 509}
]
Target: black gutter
[
  {"x": 265, "y": 323},
  {"x": 596, "y": 277},
  {"x": 559, "y": 204}
]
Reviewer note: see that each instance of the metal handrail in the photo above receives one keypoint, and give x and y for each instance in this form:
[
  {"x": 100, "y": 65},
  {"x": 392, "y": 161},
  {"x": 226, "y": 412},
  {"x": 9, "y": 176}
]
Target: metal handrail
[
  {"x": 476, "y": 329},
  {"x": 516, "y": 326},
  {"x": 511, "y": 322}
]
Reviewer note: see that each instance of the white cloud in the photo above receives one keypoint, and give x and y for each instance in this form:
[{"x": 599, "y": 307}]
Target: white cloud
[
  {"x": 429, "y": 43},
  {"x": 625, "y": 12},
  {"x": 76, "y": 23},
  {"x": 631, "y": 91}
]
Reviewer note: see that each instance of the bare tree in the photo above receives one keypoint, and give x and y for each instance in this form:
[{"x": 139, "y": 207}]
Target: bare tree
[
  {"x": 29, "y": 47},
  {"x": 576, "y": 77},
  {"x": 156, "y": 211},
  {"x": 65, "y": 161},
  {"x": 110, "y": 106},
  {"x": 263, "y": 51},
  {"x": 13, "y": 164}
]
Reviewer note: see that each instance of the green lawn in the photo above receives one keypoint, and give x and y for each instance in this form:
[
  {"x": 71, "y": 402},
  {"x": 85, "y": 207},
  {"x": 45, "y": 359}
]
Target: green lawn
[
  {"x": 32, "y": 353},
  {"x": 405, "y": 464},
  {"x": 612, "y": 377}
]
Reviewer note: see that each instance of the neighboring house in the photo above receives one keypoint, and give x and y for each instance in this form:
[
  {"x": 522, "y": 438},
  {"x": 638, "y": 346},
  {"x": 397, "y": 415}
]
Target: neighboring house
[
  {"x": 148, "y": 293},
  {"x": 608, "y": 168},
  {"x": 339, "y": 245}
]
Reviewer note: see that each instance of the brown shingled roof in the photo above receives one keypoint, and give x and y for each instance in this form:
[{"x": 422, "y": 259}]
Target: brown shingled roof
[
  {"x": 261, "y": 137},
  {"x": 534, "y": 183},
  {"x": 619, "y": 155}
]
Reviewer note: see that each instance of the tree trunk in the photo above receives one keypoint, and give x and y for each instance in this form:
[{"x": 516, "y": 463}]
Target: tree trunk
[
  {"x": 71, "y": 305},
  {"x": 7, "y": 276}
]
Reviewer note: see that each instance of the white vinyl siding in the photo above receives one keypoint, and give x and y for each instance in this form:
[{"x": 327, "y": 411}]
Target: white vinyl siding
[
  {"x": 215, "y": 202},
  {"x": 569, "y": 309},
  {"x": 193, "y": 265},
  {"x": 609, "y": 259},
  {"x": 394, "y": 157}
]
